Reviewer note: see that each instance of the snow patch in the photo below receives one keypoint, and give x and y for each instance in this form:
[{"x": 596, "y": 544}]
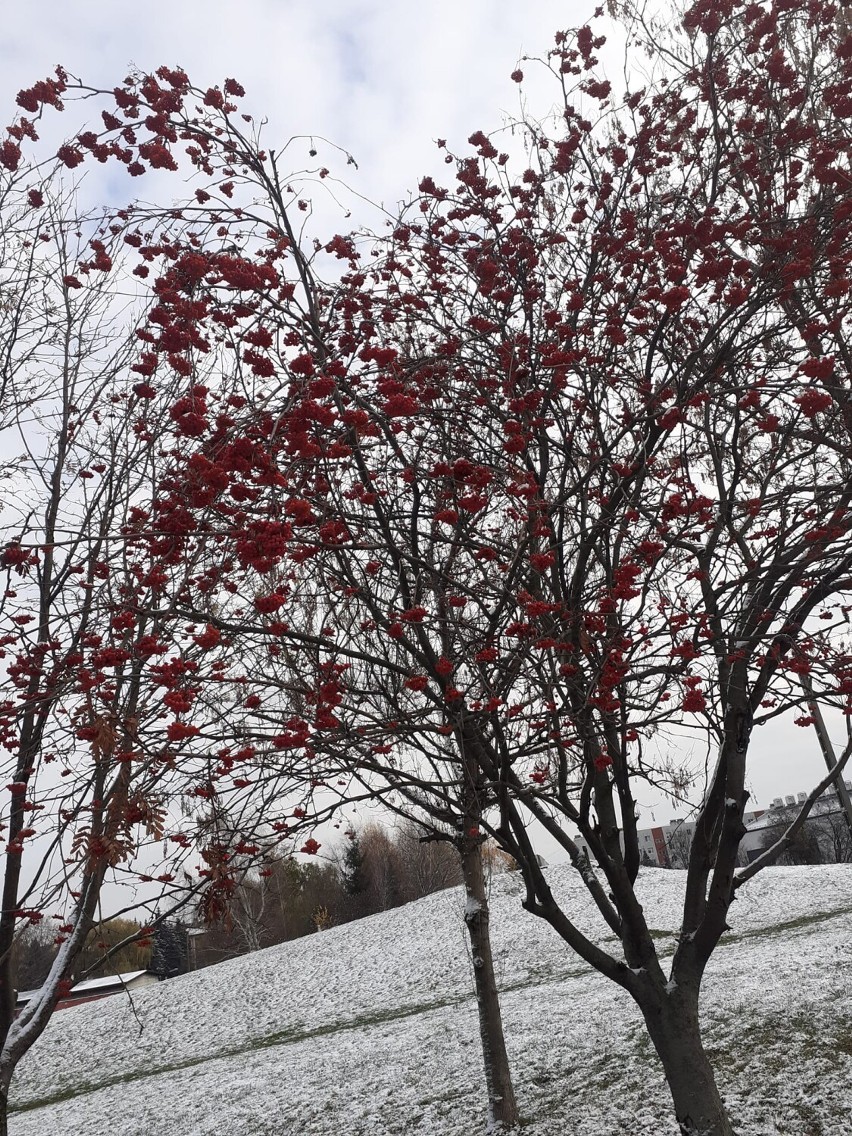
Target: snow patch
[
  {"x": 472, "y": 906},
  {"x": 371, "y": 1029}
]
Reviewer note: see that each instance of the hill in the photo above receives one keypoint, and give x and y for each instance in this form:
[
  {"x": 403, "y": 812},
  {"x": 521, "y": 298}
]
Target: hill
[{"x": 370, "y": 1029}]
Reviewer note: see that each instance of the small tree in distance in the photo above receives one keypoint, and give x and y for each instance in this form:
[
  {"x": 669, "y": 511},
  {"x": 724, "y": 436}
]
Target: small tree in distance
[
  {"x": 353, "y": 873},
  {"x": 169, "y": 951}
]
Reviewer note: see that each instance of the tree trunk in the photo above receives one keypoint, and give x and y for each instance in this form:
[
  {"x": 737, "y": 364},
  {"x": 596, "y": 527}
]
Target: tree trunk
[
  {"x": 502, "y": 1108},
  {"x": 672, "y": 1021},
  {"x": 4, "y": 1102}
]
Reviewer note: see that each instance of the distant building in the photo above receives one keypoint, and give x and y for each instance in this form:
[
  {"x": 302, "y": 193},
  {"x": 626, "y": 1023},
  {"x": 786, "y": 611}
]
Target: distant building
[
  {"x": 826, "y": 826},
  {"x": 95, "y": 988},
  {"x": 667, "y": 845}
]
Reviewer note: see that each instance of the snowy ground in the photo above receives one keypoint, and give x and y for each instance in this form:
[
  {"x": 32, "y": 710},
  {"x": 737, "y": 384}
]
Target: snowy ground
[{"x": 370, "y": 1029}]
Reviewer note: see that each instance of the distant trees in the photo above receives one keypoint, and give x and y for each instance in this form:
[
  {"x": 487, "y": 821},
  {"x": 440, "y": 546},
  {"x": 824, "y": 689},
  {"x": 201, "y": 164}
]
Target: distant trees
[
  {"x": 395, "y": 866},
  {"x": 678, "y": 844},
  {"x": 378, "y": 869},
  {"x": 432, "y": 865},
  {"x": 283, "y": 900},
  {"x": 804, "y": 848},
  {"x": 32, "y": 955},
  {"x": 839, "y": 839},
  {"x": 824, "y": 838},
  {"x": 99, "y": 957}
]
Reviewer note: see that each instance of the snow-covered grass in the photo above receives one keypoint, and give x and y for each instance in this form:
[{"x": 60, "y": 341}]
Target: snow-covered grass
[{"x": 370, "y": 1029}]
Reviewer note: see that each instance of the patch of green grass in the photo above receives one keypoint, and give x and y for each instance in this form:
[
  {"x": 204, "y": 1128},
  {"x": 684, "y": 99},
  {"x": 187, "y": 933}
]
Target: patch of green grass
[
  {"x": 654, "y": 932},
  {"x": 282, "y": 1037},
  {"x": 785, "y": 927},
  {"x": 82, "y": 1088},
  {"x": 821, "y": 1037}
]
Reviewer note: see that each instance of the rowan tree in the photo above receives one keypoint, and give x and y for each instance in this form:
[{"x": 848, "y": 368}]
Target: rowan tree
[
  {"x": 556, "y": 468},
  {"x": 654, "y": 316},
  {"x": 104, "y": 777},
  {"x": 240, "y": 295},
  {"x": 567, "y": 471}
]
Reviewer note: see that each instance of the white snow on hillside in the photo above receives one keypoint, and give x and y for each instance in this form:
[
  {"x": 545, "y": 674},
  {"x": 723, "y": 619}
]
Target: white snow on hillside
[{"x": 370, "y": 1029}]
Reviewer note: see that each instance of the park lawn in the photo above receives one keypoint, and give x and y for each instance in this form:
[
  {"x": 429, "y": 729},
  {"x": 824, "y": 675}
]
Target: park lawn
[{"x": 370, "y": 1029}]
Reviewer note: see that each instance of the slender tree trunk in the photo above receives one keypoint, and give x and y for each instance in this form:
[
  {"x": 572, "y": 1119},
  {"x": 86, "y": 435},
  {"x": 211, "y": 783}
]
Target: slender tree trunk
[
  {"x": 502, "y": 1108},
  {"x": 5, "y": 1079},
  {"x": 672, "y": 1021}
]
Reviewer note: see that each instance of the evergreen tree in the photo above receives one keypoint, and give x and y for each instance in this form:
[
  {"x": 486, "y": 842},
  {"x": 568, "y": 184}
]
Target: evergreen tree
[
  {"x": 354, "y": 874},
  {"x": 169, "y": 954}
]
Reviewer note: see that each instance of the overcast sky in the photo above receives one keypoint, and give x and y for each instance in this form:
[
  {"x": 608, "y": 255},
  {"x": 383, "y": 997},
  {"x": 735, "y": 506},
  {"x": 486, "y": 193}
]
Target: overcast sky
[{"x": 381, "y": 78}]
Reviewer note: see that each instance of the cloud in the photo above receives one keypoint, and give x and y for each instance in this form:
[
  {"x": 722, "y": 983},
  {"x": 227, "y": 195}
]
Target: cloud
[{"x": 381, "y": 79}]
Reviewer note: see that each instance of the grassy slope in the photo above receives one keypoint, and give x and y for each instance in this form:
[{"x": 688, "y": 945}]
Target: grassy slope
[{"x": 371, "y": 1029}]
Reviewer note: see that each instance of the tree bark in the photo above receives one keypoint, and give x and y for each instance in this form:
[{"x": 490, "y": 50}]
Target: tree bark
[
  {"x": 5, "y": 1078},
  {"x": 672, "y": 1021},
  {"x": 502, "y": 1107}
]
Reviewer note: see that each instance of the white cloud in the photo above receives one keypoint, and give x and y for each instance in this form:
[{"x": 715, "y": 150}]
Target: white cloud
[{"x": 381, "y": 79}]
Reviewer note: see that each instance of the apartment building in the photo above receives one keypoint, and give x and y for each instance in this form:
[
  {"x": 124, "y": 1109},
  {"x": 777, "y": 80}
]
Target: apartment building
[{"x": 667, "y": 845}]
